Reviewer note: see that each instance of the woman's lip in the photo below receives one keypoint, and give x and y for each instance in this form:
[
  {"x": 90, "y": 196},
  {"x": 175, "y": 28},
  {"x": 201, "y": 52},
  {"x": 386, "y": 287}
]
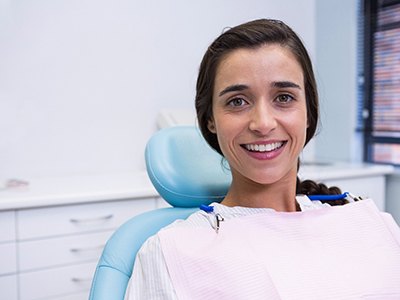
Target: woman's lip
[{"x": 267, "y": 155}]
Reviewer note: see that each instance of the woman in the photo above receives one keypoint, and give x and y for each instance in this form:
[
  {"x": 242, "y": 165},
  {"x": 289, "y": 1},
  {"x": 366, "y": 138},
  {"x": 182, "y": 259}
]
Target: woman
[{"x": 257, "y": 105}]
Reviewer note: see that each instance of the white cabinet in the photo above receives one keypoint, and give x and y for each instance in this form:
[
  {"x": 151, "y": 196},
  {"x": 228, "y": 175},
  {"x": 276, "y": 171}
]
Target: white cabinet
[
  {"x": 61, "y": 251},
  {"x": 75, "y": 296},
  {"x": 52, "y": 252},
  {"x": 8, "y": 256},
  {"x": 57, "y": 282},
  {"x": 8, "y": 287},
  {"x": 53, "y": 232},
  {"x": 7, "y": 225},
  {"x": 72, "y": 219},
  {"x": 367, "y": 187},
  {"x": 59, "y": 246}
]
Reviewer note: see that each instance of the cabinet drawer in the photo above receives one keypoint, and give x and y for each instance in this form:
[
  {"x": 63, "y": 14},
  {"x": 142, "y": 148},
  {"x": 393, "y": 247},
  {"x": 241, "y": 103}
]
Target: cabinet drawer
[
  {"x": 7, "y": 225},
  {"x": 56, "y": 282},
  {"x": 8, "y": 258},
  {"x": 71, "y": 219},
  {"x": 8, "y": 287},
  {"x": 75, "y": 296},
  {"x": 60, "y": 251}
]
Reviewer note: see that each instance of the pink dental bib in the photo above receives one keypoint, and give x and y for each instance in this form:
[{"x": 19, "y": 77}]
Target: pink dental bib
[{"x": 342, "y": 252}]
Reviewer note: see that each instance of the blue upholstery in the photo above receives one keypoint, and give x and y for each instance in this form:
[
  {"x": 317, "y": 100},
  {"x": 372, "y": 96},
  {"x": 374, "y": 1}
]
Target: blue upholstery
[
  {"x": 186, "y": 173},
  {"x": 184, "y": 169},
  {"x": 115, "y": 265}
]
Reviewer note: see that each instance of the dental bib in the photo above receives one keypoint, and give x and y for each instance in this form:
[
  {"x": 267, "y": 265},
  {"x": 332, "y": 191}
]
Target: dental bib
[{"x": 340, "y": 252}]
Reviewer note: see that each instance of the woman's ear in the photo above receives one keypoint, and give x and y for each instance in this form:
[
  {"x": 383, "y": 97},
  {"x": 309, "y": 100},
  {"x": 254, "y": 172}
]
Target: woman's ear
[{"x": 211, "y": 126}]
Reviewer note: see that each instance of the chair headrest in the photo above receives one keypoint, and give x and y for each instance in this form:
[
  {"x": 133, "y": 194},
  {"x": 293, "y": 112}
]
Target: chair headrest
[{"x": 185, "y": 171}]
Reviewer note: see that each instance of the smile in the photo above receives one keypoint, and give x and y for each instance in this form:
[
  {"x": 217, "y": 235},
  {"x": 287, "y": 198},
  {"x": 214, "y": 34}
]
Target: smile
[{"x": 264, "y": 147}]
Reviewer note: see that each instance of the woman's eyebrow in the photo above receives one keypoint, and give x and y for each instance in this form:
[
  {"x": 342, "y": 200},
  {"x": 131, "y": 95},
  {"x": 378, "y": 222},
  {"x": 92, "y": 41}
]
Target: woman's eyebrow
[
  {"x": 285, "y": 84},
  {"x": 275, "y": 84},
  {"x": 233, "y": 88}
]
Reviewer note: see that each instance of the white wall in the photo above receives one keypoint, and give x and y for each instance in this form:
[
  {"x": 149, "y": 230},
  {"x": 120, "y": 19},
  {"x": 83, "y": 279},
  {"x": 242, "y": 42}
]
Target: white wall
[
  {"x": 336, "y": 61},
  {"x": 81, "y": 81}
]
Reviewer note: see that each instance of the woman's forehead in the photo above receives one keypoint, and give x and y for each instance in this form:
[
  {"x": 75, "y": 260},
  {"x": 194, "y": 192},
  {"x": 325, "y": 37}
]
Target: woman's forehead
[{"x": 266, "y": 63}]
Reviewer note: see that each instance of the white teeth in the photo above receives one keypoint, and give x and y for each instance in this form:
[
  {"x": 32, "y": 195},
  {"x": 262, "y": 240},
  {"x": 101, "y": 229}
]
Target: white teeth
[{"x": 264, "y": 147}]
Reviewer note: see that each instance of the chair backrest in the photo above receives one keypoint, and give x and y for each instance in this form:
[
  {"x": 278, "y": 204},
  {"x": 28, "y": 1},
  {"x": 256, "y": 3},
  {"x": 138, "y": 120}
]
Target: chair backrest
[
  {"x": 186, "y": 172},
  {"x": 183, "y": 168}
]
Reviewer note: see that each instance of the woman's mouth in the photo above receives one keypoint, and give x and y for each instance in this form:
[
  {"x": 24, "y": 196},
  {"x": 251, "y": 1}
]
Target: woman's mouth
[
  {"x": 264, "y": 147},
  {"x": 265, "y": 151}
]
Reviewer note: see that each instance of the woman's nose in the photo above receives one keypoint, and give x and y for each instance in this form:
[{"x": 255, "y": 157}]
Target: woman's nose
[{"x": 262, "y": 119}]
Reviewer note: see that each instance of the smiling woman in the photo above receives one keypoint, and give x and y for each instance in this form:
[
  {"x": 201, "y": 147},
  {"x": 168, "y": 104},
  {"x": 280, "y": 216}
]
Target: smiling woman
[
  {"x": 257, "y": 105},
  {"x": 260, "y": 119}
]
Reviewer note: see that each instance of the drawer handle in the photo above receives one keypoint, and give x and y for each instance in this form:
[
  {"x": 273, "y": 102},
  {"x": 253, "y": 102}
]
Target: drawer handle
[
  {"x": 96, "y": 219},
  {"x": 80, "y": 280},
  {"x": 99, "y": 247}
]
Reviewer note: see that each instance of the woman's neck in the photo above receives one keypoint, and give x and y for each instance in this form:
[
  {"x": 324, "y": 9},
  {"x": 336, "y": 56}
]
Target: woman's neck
[{"x": 279, "y": 196}]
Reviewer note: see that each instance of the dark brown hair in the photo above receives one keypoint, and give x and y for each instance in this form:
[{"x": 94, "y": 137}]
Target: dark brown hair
[{"x": 252, "y": 35}]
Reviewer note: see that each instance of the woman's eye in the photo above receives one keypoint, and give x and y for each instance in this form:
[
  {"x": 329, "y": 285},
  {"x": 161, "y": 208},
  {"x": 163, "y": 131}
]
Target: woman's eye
[
  {"x": 237, "y": 102},
  {"x": 284, "y": 98}
]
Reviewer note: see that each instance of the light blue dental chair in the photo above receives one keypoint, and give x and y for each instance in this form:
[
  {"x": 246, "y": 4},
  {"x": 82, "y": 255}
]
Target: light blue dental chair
[{"x": 187, "y": 173}]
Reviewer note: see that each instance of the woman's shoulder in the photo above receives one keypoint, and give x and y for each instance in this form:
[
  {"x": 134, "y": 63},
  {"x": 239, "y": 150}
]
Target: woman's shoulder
[
  {"x": 201, "y": 218},
  {"x": 198, "y": 218},
  {"x": 151, "y": 251}
]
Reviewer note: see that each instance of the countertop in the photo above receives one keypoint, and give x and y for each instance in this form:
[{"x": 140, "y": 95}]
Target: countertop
[
  {"x": 77, "y": 189},
  {"x": 42, "y": 192},
  {"x": 331, "y": 171}
]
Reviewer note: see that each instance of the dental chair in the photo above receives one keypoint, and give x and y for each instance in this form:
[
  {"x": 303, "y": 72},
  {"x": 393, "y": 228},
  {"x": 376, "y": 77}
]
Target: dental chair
[{"x": 186, "y": 172}]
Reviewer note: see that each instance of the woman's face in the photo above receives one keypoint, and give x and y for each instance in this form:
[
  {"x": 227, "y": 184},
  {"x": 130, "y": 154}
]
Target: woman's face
[{"x": 259, "y": 113}]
